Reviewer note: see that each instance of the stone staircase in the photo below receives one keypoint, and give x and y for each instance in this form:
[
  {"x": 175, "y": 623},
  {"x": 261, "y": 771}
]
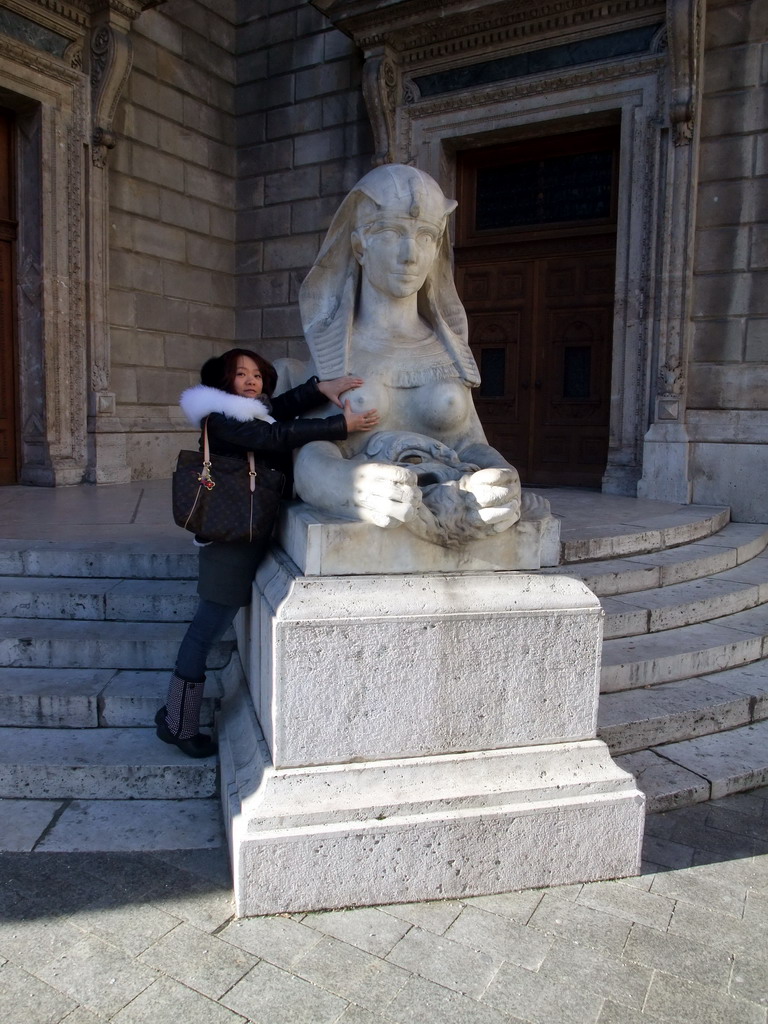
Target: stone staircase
[
  {"x": 684, "y": 677},
  {"x": 87, "y": 635},
  {"x": 88, "y": 632}
]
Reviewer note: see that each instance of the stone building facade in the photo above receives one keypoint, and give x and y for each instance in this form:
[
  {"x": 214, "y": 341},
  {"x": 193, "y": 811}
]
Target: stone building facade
[{"x": 171, "y": 168}]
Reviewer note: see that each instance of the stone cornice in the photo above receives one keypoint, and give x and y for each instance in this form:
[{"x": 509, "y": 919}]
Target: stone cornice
[{"x": 421, "y": 32}]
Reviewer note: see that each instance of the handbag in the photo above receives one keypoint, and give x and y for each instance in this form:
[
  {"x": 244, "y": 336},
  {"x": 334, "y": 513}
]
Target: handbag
[{"x": 233, "y": 500}]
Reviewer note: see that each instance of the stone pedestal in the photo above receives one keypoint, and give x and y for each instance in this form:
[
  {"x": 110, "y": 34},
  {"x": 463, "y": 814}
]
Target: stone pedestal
[{"x": 419, "y": 736}]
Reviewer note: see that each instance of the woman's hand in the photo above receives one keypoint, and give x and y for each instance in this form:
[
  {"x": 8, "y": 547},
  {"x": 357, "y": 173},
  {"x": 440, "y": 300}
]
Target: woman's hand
[
  {"x": 333, "y": 389},
  {"x": 359, "y": 420}
]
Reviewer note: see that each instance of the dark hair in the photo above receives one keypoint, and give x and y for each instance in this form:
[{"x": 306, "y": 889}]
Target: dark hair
[{"x": 220, "y": 371}]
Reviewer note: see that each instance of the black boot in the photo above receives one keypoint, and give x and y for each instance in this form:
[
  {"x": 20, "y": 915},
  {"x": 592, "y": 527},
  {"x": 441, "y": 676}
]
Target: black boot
[{"x": 177, "y": 722}]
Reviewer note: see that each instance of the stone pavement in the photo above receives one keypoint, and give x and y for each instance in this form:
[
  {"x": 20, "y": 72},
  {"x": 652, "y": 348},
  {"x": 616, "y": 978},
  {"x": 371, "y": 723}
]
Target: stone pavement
[{"x": 151, "y": 939}]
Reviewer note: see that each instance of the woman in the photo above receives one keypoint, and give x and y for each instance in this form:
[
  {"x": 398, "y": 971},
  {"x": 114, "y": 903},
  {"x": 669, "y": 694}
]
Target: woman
[
  {"x": 380, "y": 301},
  {"x": 235, "y": 394}
]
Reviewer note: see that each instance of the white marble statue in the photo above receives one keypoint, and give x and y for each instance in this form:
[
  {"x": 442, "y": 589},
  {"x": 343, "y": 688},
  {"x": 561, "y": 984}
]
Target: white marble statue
[{"x": 380, "y": 303}]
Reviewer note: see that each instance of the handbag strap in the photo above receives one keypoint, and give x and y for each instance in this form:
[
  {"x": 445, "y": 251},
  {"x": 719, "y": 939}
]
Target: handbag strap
[{"x": 205, "y": 475}]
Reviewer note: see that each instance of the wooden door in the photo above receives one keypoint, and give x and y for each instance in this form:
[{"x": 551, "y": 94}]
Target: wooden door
[
  {"x": 8, "y": 415},
  {"x": 539, "y": 299}
]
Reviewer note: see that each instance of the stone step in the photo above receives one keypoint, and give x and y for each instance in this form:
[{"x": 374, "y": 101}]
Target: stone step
[
  {"x": 634, "y": 720},
  {"x": 162, "y": 559},
  {"x": 95, "y": 645},
  {"x": 68, "y": 597},
  {"x": 59, "y": 698},
  {"x": 682, "y": 604},
  {"x": 687, "y": 524},
  {"x": 99, "y": 764},
  {"x": 90, "y": 826},
  {"x": 735, "y": 544},
  {"x": 722, "y": 643},
  {"x": 706, "y": 768}
]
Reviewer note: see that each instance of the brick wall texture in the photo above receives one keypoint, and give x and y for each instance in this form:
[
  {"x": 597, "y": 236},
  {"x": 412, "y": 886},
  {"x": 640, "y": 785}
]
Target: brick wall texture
[
  {"x": 730, "y": 338},
  {"x": 241, "y": 128}
]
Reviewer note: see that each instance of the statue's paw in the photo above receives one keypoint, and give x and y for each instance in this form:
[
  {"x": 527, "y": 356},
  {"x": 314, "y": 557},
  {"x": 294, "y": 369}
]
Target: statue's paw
[
  {"x": 493, "y": 487},
  {"x": 533, "y": 506}
]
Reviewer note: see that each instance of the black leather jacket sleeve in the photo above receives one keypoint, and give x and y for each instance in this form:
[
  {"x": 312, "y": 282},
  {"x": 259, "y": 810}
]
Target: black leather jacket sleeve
[
  {"x": 225, "y": 433},
  {"x": 293, "y": 403}
]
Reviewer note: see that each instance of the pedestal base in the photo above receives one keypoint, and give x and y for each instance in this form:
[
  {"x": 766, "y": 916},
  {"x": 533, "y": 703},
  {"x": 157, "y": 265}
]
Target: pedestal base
[
  {"x": 424, "y": 828},
  {"x": 421, "y": 736}
]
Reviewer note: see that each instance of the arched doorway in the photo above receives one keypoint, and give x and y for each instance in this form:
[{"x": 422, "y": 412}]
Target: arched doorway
[
  {"x": 535, "y": 267},
  {"x": 8, "y": 374}
]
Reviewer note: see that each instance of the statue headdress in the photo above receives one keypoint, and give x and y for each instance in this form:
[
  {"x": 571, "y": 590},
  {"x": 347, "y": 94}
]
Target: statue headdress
[{"x": 329, "y": 291}]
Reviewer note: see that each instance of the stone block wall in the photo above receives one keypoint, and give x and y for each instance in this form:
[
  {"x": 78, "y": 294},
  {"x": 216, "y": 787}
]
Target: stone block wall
[
  {"x": 303, "y": 140},
  {"x": 172, "y": 220},
  {"x": 728, "y": 386}
]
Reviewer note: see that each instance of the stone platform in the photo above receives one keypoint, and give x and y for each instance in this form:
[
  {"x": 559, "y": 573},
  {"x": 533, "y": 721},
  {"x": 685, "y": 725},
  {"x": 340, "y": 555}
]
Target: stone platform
[{"x": 419, "y": 736}]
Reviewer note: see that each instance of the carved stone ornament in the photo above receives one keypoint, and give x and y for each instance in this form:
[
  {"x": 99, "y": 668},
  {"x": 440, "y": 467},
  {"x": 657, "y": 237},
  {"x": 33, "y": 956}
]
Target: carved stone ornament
[
  {"x": 684, "y": 29},
  {"x": 671, "y": 378},
  {"x": 380, "y": 93},
  {"x": 111, "y": 59}
]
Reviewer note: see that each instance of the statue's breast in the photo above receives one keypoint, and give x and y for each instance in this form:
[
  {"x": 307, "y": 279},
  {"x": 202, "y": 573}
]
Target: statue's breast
[{"x": 439, "y": 408}]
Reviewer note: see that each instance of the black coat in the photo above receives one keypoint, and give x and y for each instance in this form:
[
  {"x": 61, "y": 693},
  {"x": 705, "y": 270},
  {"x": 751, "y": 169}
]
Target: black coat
[{"x": 227, "y": 569}]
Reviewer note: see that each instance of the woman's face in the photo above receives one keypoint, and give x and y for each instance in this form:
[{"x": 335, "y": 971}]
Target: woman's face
[
  {"x": 396, "y": 253},
  {"x": 247, "y": 380}
]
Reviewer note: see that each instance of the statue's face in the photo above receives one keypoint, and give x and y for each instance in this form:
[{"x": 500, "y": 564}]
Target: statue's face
[{"x": 396, "y": 253}]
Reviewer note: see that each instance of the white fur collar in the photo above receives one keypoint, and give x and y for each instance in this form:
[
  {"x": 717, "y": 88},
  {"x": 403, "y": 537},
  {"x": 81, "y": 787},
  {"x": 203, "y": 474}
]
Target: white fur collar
[{"x": 200, "y": 401}]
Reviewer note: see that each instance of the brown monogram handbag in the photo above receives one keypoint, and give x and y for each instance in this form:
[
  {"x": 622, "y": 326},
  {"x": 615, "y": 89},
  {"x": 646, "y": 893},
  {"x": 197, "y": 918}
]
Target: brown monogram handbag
[{"x": 233, "y": 500}]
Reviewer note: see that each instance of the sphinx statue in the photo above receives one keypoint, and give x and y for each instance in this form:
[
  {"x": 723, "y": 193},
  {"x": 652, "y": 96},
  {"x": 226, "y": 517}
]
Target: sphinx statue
[{"x": 380, "y": 303}]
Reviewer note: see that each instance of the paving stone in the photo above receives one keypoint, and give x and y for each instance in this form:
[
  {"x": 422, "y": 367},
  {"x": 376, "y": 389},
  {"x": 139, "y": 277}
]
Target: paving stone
[
  {"x": 423, "y": 1002},
  {"x": 499, "y": 937},
  {"x": 279, "y": 940},
  {"x": 434, "y": 916},
  {"x": 517, "y": 906},
  {"x": 538, "y": 998},
  {"x": 267, "y": 995},
  {"x": 590, "y": 970},
  {"x": 682, "y": 1001},
  {"x": 22, "y": 822},
  {"x": 727, "y": 820},
  {"x": 202, "y": 904},
  {"x": 613, "y": 1013},
  {"x": 167, "y": 1002},
  {"x": 580, "y": 924},
  {"x": 198, "y": 960},
  {"x": 351, "y": 973},
  {"x": 717, "y": 841},
  {"x": 628, "y": 904},
  {"x": 357, "y": 1015},
  {"x": 751, "y": 805},
  {"x": 82, "y": 1016},
  {"x": 680, "y": 955},
  {"x": 667, "y": 853},
  {"x": 123, "y": 924},
  {"x": 722, "y": 931},
  {"x": 445, "y": 962},
  {"x": 366, "y": 927},
  {"x": 141, "y": 825},
  {"x": 25, "y": 999},
  {"x": 749, "y": 978},
  {"x": 756, "y": 906},
  {"x": 34, "y": 942},
  {"x": 98, "y": 975},
  {"x": 696, "y": 885}
]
